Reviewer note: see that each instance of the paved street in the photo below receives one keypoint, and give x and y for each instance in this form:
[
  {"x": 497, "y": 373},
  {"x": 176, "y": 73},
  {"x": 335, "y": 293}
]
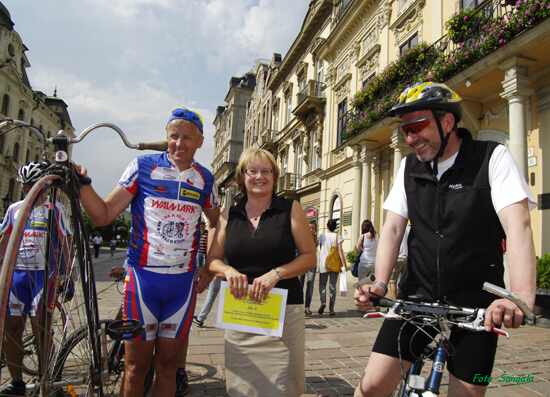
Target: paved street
[{"x": 338, "y": 347}]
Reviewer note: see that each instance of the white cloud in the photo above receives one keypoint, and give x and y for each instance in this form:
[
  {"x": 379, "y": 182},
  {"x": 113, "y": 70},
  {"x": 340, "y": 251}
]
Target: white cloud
[{"x": 130, "y": 62}]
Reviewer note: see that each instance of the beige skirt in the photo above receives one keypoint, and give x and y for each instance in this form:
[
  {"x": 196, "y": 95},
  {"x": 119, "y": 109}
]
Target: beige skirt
[{"x": 267, "y": 366}]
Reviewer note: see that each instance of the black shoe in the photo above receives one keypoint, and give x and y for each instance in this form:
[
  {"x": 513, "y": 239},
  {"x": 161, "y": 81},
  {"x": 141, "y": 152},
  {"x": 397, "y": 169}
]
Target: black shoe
[
  {"x": 197, "y": 321},
  {"x": 14, "y": 389},
  {"x": 182, "y": 384}
]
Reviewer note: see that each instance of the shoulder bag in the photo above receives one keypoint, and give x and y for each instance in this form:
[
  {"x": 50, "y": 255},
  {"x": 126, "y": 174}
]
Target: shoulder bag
[{"x": 333, "y": 262}]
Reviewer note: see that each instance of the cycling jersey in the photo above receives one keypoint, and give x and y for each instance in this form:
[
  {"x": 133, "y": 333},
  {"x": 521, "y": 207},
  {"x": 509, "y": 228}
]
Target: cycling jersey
[
  {"x": 33, "y": 244},
  {"x": 166, "y": 212}
]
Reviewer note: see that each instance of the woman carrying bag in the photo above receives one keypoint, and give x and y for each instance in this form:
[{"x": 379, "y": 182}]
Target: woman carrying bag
[{"x": 327, "y": 241}]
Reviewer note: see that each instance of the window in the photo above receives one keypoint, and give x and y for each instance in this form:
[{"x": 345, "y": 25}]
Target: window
[
  {"x": 28, "y": 156},
  {"x": 285, "y": 164},
  {"x": 2, "y": 144},
  {"x": 320, "y": 70},
  {"x": 21, "y": 115},
  {"x": 16, "y": 152},
  {"x": 303, "y": 84},
  {"x": 335, "y": 212},
  {"x": 276, "y": 121},
  {"x": 289, "y": 108},
  {"x": 11, "y": 50},
  {"x": 299, "y": 160},
  {"x": 410, "y": 43},
  {"x": 6, "y": 104},
  {"x": 342, "y": 120},
  {"x": 470, "y": 3},
  {"x": 314, "y": 155}
]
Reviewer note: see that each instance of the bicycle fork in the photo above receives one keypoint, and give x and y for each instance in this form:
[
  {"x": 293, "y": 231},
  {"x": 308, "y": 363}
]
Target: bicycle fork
[{"x": 417, "y": 385}]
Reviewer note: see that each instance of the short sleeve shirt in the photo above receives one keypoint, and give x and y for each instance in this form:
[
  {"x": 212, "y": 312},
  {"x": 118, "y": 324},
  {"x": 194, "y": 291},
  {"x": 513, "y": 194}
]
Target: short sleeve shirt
[{"x": 166, "y": 212}]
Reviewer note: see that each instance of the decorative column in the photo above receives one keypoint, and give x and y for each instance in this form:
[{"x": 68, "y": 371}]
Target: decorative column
[
  {"x": 386, "y": 162},
  {"x": 398, "y": 145},
  {"x": 376, "y": 169},
  {"x": 367, "y": 157},
  {"x": 355, "y": 220},
  {"x": 516, "y": 91},
  {"x": 543, "y": 108}
]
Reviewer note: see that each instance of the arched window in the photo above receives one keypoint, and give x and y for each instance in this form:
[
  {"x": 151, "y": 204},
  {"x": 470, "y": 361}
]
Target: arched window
[
  {"x": 11, "y": 50},
  {"x": 6, "y": 104},
  {"x": 21, "y": 115},
  {"x": 16, "y": 152},
  {"x": 335, "y": 211}
]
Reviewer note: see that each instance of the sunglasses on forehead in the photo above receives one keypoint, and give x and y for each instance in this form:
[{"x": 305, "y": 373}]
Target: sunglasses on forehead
[
  {"x": 188, "y": 114},
  {"x": 414, "y": 127}
]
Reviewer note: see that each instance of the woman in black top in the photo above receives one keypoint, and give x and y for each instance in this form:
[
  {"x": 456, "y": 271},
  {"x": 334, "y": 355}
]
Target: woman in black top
[{"x": 259, "y": 237}]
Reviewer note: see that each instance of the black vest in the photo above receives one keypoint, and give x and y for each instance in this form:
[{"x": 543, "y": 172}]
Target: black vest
[{"x": 455, "y": 243}]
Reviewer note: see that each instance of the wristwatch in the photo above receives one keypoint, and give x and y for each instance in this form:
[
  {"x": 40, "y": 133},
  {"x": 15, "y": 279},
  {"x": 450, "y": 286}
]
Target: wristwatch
[
  {"x": 383, "y": 285},
  {"x": 278, "y": 272}
]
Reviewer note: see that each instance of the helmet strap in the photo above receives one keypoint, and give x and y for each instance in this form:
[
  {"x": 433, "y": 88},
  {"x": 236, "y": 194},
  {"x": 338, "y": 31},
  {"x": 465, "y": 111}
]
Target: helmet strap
[{"x": 444, "y": 141}]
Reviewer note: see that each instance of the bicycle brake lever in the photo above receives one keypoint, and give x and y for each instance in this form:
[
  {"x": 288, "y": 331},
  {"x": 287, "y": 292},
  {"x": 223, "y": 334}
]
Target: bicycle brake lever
[{"x": 501, "y": 332}]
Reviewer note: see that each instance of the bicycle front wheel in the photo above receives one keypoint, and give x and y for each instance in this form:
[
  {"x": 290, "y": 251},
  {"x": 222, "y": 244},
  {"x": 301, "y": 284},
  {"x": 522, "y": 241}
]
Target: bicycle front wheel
[{"x": 47, "y": 282}]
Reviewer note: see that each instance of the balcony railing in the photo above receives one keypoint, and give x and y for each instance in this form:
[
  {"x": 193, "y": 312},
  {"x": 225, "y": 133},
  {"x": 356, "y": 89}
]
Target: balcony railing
[
  {"x": 483, "y": 31},
  {"x": 341, "y": 9},
  {"x": 313, "y": 88},
  {"x": 290, "y": 181}
]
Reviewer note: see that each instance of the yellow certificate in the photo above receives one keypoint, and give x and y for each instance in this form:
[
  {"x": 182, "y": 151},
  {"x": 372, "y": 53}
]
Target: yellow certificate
[{"x": 266, "y": 318}]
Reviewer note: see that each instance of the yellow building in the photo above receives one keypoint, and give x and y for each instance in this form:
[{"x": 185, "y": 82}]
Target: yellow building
[{"x": 338, "y": 152}]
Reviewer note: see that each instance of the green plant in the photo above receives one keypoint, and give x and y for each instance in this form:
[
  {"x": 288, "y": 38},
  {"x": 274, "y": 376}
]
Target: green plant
[
  {"x": 352, "y": 256},
  {"x": 463, "y": 25},
  {"x": 543, "y": 272}
]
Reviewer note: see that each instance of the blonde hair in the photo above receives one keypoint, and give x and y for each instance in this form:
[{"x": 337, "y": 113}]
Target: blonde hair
[{"x": 247, "y": 157}]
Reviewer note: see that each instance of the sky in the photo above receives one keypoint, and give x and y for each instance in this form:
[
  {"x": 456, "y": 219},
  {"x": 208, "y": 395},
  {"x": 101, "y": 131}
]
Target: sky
[{"x": 130, "y": 62}]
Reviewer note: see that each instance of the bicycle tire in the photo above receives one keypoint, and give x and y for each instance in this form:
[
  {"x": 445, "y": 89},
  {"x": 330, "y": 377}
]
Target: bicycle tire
[
  {"x": 68, "y": 255},
  {"x": 73, "y": 346}
]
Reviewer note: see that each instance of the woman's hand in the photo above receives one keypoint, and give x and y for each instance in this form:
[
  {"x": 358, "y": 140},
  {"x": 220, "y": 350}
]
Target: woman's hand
[
  {"x": 262, "y": 285},
  {"x": 237, "y": 283}
]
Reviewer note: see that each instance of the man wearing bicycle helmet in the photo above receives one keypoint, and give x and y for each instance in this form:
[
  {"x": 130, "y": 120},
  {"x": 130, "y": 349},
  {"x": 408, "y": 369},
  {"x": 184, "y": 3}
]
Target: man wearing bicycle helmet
[
  {"x": 168, "y": 192},
  {"x": 26, "y": 291},
  {"x": 463, "y": 197}
]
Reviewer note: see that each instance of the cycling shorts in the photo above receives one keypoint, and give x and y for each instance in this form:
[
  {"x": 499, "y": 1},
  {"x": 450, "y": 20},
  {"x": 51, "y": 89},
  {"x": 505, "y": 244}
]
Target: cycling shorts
[
  {"x": 26, "y": 293},
  {"x": 474, "y": 352},
  {"x": 163, "y": 303}
]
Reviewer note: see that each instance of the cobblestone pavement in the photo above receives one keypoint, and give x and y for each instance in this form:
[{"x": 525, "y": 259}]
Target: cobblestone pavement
[{"x": 338, "y": 348}]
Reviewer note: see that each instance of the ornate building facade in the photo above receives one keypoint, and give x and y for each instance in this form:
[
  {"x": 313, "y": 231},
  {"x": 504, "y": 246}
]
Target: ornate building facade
[
  {"x": 20, "y": 101},
  {"x": 229, "y": 134},
  {"x": 345, "y": 48}
]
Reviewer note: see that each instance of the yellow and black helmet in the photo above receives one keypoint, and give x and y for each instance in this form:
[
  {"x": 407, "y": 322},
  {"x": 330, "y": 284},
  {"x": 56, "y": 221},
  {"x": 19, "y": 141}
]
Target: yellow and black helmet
[{"x": 428, "y": 96}]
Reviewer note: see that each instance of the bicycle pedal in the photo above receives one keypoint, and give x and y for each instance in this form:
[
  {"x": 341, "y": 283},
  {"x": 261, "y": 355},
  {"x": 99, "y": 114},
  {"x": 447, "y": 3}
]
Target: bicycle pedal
[{"x": 123, "y": 329}]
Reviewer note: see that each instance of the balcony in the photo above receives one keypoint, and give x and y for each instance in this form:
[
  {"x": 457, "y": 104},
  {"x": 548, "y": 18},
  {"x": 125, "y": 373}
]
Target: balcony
[
  {"x": 310, "y": 100},
  {"x": 267, "y": 140},
  {"x": 496, "y": 30},
  {"x": 340, "y": 10},
  {"x": 290, "y": 182}
]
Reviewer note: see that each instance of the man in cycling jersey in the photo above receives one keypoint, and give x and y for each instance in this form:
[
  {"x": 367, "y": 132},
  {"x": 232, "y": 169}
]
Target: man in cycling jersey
[
  {"x": 27, "y": 289},
  {"x": 462, "y": 197},
  {"x": 167, "y": 191}
]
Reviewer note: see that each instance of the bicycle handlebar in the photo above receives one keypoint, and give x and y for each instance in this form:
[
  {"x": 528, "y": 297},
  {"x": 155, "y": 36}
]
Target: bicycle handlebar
[
  {"x": 467, "y": 318},
  {"x": 159, "y": 146}
]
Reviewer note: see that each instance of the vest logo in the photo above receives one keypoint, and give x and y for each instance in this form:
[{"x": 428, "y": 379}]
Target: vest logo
[
  {"x": 190, "y": 194},
  {"x": 38, "y": 224},
  {"x": 33, "y": 234},
  {"x": 456, "y": 186},
  {"x": 161, "y": 189}
]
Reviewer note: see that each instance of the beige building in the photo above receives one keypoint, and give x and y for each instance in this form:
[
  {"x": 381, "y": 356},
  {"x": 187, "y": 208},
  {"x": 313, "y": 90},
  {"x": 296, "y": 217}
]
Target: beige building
[
  {"x": 19, "y": 101},
  {"x": 228, "y": 137},
  {"x": 338, "y": 152}
]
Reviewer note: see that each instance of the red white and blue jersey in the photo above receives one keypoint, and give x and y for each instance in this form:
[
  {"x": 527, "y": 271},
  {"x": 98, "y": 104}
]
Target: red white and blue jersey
[
  {"x": 166, "y": 212},
  {"x": 33, "y": 245}
]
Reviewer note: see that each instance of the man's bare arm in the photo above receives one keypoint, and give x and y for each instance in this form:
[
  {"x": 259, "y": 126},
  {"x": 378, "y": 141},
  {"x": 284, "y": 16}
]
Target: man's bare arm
[{"x": 103, "y": 212}]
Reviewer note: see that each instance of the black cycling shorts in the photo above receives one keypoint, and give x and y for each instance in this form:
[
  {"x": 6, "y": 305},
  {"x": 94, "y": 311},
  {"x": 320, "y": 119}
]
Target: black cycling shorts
[{"x": 473, "y": 352}]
